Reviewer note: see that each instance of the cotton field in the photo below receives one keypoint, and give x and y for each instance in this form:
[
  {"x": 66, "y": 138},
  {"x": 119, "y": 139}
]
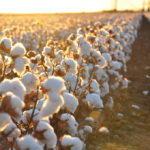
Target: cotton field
[{"x": 58, "y": 74}]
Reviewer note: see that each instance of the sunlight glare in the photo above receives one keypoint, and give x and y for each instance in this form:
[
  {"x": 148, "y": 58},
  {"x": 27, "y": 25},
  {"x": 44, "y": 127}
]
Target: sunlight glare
[{"x": 53, "y": 6}]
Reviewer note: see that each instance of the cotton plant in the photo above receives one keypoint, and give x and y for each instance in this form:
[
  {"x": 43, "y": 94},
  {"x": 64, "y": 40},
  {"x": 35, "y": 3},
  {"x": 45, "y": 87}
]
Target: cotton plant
[
  {"x": 70, "y": 102},
  {"x": 5, "y": 45},
  {"x": 17, "y": 53},
  {"x": 15, "y": 86},
  {"x": 28, "y": 142},
  {"x": 70, "y": 81},
  {"x": 52, "y": 87},
  {"x": 12, "y": 105},
  {"x": 72, "y": 142},
  {"x": 61, "y": 76},
  {"x": 5, "y": 66},
  {"x": 34, "y": 63},
  {"x": 70, "y": 65},
  {"x": 30, "y": 81},
  {"x": 26, "y": 116},
  {"x": 44, "y": 132},
  {"x": 84, "y": 132},
  {"x": 8, "y": 130},
  {"x": 72, "y": 124},
  {"x": 94, "y": 100},
  {"x": 84, "y": 47}
]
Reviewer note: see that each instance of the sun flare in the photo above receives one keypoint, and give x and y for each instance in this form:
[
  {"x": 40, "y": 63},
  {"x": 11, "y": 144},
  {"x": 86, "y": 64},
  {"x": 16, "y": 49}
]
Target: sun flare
[{"x": 50, "y": 6}]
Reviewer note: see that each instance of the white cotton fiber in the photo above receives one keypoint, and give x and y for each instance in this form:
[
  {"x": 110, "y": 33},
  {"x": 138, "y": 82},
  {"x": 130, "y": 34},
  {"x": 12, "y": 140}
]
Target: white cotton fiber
[
  {"x": 70, "y": 102},
  {"x": 72, "y": 123},
  {"x": 50, "y": 138},
  {"x": 30, "y": 81},
  {"x": 28, "y": 142},
  {"x": 15, "y": 86},
  {"x": 74, "y": 142},
  {"x": 94, "y": 100},
  {"x": 18, "y": 50},
  {"x": 52, "y": 105},
  {"x": 54, "y": 84}
]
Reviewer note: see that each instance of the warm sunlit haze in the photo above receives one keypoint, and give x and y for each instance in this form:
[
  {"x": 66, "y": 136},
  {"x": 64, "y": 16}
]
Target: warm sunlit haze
[{"x": 53, "y": 6}]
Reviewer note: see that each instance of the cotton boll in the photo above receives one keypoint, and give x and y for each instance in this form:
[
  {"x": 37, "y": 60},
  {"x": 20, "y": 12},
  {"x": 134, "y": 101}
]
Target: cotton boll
[
  {"x": 12, "y": 131},
  {"x": 28, "y": 142},
  {"x": 27, "y": 116},
  {"x": 94, "y": 100},
  {"x": 115, "y": 85},
  {"x": 121, "y": 55},
  {"x": 113, "y": 44},
  {"x": 100, "y": 74},
  {"x": 59, "y": 56},
  {"x": 99, "y": 41},
  {"x": 5, "y": 44},
  {"x": 70, "y": 80},
  {"x": 90, "y": 119},
  {"x": 98, "y": 58},
  {"x": 104, "y": 130},
  {"x": 107, "y": 56},
  {"x": 84, "y": 72},
  {"x": 104, "y": 32},
  {"x": 52, "y": 105},
  {"x": 125, "y": 83},
  {"x": 70, "y": 102},
  {"x": 15, "y": 86},
  {"x": 18, "y": 88},
  {"x": 38, "y": 57},
  {"x": 85, "y": 131},
  {"x": 104, "y": 89},
  {"x": 49, "y": 51},
  {"x": 70, "y": 65},
  {"x": 55, "y": 98},
  {"x": 60, "y": 71},
  {"x": 40, "y": 103},
  {"x": 5, "y": 86},
  {"x": 30, "y": 81},
  {"x": 5, "y": 120},
  {"x": 94, "y": 87},
  {"x": 54, "y": 84},
  {"x": 47, "y": 62},
  {"x": 84, "y": 47},
  {"x": 33, "y": 66},
  {"x": 72, "y": 124},
  {"x": 81, "y": 134},
  {"x": 45, "y": 133},
  {"x": 116, "y": 74},
  {"x": 20, "y": 65},
  {"x": 80, "y": 31},
  {"x": 18, "y": 50},
  {"x": 116, "y": 65},
  {"x": 13, "y": 105},
  {"x": 74, "y": 142},
  {"x": 88, "y": 129},
  {"x": 46, "y": 51},
  {"x": 15, "y": 133}
]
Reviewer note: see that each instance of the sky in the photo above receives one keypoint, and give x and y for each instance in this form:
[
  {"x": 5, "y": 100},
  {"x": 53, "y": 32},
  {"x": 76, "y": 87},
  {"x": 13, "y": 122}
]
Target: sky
[{"x": 53, "y": 6}]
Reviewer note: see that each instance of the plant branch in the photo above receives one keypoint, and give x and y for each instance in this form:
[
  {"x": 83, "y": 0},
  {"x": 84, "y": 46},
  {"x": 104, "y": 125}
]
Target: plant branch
[{"x": 32, "y": 115}]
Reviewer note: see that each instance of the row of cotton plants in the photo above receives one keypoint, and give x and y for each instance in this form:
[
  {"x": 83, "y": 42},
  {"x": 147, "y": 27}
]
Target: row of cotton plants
[
  {"x": 46, "y": 97},
  {"x": 35, "y": 30}
]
